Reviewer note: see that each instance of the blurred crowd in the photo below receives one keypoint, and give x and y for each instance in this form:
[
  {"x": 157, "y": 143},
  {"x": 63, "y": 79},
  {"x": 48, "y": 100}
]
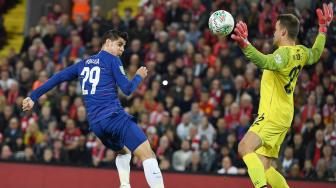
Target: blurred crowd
[{"x": 199, "y": 99}]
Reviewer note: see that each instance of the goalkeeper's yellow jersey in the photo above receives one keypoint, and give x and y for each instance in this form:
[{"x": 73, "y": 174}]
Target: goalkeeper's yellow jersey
[{"x": 281, "y": 70}]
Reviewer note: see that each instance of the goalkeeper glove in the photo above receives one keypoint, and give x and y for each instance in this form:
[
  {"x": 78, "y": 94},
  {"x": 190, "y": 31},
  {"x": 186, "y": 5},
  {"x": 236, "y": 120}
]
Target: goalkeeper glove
[
  {"x": 324, "y": 17},
  {"x": 240, "y": 34}
]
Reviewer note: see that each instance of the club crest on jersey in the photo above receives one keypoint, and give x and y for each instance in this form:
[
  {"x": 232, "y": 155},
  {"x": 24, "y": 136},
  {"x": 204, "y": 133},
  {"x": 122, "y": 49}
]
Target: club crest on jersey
[
  {"x": 122, "y": 70},
  {"x": 278, "y": 59}
]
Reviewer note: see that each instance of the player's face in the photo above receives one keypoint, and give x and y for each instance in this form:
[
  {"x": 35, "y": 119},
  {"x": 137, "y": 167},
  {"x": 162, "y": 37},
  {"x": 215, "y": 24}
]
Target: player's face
[
  {"x": 116, "y": 47},
  {"x": 277, "y": 34}
]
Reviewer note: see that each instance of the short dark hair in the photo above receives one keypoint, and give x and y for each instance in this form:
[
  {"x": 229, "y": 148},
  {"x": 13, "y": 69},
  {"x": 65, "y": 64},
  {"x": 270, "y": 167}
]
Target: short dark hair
[
  {"x": 114, "y": 35},
  {"x": 291, "y": 23}
]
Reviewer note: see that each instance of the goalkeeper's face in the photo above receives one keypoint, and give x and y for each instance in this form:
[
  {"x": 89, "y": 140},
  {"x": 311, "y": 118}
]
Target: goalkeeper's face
[
  {"x": 280, "y": 34},
  {"x": 277, "y": 34}
]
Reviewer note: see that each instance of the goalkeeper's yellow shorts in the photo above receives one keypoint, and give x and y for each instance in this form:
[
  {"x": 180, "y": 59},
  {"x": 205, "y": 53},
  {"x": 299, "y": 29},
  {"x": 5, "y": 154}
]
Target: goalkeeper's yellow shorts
[{"x": 271, "y": 134}]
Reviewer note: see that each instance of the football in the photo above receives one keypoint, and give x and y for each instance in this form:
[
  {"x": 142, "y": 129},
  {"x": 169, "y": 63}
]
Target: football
[{"x": 221, "y": 22}]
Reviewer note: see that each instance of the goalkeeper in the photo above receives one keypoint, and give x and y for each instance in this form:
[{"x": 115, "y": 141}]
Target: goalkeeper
[{"x": 262, "y": 142}]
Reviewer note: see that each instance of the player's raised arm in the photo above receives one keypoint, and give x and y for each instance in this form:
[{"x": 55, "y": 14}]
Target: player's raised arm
[
  {"x": 275, "y": 61},
  {"x": 67, "y": 74},
  {"x": 126, "y": 86},
  {"x": 324, "y": 19}
]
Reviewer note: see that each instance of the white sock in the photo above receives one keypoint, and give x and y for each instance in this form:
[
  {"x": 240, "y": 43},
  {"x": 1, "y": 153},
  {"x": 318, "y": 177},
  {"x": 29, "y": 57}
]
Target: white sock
[
  {"x": 123, "y": 166},
  {"x": 153, "y": 173}
]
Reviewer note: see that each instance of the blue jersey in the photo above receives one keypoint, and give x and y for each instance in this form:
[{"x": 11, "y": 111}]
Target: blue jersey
[{"x": 99, "y": 77}]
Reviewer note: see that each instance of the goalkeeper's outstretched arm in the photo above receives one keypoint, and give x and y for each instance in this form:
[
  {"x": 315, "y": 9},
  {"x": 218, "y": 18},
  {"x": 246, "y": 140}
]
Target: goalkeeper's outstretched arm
[
  {"x": 324, "y": 19},
  {"x": 315, "y": 52},
  {"x": 275, "y": 61}
]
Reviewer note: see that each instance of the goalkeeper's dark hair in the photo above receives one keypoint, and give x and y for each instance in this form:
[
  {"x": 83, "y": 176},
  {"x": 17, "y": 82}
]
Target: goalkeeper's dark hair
[
  {"x": 114, "y": 35},
  {"x": 291, "y": 23}
]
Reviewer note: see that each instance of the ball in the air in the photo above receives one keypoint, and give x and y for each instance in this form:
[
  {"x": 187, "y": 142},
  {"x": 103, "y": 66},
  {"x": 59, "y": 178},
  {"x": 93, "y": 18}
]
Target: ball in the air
[{"x": 221, "y": 22}]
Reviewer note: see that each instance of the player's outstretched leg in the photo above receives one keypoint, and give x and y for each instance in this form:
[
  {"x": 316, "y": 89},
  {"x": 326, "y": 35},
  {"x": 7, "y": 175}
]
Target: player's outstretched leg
[
  {"x": 150, "y": 165},
  {"x": 123, "y": 160},
  {"x": 255, "y": 167},
  {"x": 136, "y": 141}
]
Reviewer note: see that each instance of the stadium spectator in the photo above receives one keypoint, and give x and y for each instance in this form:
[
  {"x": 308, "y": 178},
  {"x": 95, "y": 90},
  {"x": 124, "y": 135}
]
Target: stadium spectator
[
  {"x": 206, "y": 131},
  {"x": 195, "y": 164},
  {"x": 48, "y": 156},
  {"x": 207, "y": 155},
  {"x": 288, "y": 160},
  {"x": 13, "y": 132},
  {"x": 182, "y": 158},
  {"x": 227, "y": 167},
  {"x": 6, "y": 153},
  {"x": 298, "y": 149},
  {"x": 295, "y": 172},
  {"x": 184, "y": 127},
  {"x": 329, "y": 159},
  {"x": 33, "y": 134},
  {"x": 5, "y": 82},
  {"x": 164, "y": 151}
]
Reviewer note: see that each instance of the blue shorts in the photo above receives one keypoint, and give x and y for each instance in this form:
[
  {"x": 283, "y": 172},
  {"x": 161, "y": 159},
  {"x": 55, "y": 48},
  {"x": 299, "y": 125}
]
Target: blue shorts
[{"x": 119, "y": 130}]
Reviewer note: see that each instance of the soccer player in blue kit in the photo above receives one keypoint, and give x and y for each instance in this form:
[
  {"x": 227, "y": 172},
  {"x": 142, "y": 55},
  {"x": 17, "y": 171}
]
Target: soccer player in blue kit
[{"x": 100, "y": 75}]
